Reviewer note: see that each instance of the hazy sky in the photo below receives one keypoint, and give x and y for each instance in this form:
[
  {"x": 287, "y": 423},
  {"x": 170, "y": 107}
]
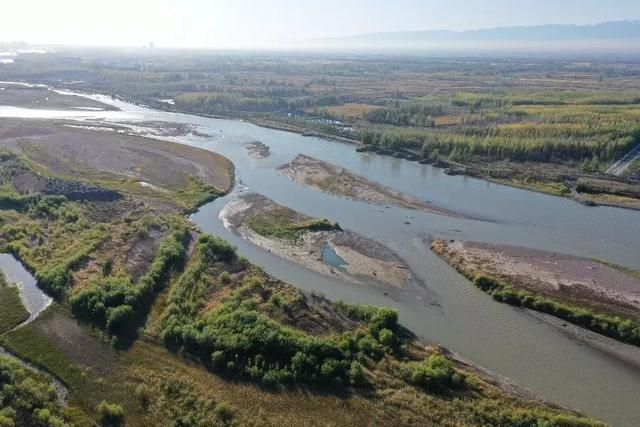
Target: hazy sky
[{"x": 268, "y": 23}]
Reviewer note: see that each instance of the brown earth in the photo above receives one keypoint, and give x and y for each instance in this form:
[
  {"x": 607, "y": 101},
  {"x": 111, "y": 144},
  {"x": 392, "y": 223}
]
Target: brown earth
[
  {"x": 82, "y": 153},
  {"x": 340, "y": 182}
]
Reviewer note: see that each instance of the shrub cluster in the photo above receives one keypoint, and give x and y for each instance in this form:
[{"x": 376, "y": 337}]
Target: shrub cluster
[
  {"x": 25, "y": 400},
  {"x": 117, "y": 303},
  {"x": 110, "y": 414},
  {"x": 436, "y": 373},
  {"x": 237, "y": 338},
  {"x": 624, "y": 330}
]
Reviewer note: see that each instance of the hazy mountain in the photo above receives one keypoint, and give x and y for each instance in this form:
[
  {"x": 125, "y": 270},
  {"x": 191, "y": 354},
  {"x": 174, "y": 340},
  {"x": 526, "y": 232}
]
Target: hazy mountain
[{"x": 616, "y": 35}]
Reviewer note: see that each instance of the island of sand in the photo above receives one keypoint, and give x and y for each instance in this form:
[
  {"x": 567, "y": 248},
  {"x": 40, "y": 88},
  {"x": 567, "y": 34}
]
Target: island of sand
[
  {"x": 602, "y": 300},
  {"x": 338, "y": 181},
  {"x": 317, "y": 245}
]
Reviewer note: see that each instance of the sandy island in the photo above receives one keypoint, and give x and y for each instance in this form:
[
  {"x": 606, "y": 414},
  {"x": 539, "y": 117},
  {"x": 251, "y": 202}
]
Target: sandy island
[
  {"x": 365, "y": 261},
  {"x": 338, "y": 181},
  {"x": 574, "y": 280}
]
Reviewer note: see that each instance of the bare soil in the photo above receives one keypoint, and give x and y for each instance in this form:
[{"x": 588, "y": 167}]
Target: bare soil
[
  {"x": 81, "y": 153},
  {"x": 340, "y": 182}
]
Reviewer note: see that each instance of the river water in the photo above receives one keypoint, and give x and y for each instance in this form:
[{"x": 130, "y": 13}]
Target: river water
[
  {"x": 34, "y": 300},
  {"x": 440, "y": 306}
]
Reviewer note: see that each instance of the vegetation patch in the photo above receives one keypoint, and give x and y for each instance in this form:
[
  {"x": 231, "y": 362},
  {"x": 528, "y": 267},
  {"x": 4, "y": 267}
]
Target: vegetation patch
[
  {"x": 276, "y": 223},
  {"x": 117, "y": 305},
  {"x": 13, "y": 310},
  {"x": 624, "y": 330},
  {"x": 27, "y": 399}
]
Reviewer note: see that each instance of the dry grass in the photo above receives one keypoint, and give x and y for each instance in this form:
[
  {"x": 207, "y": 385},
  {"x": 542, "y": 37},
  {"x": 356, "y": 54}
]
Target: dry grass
[{"x": 351, "y": 110}]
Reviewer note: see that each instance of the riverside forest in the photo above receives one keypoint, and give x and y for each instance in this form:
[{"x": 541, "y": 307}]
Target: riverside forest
[{"x": 331, "y": 236}]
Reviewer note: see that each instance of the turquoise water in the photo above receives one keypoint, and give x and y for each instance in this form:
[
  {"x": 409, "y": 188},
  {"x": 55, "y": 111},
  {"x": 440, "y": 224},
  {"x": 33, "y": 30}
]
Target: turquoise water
[{"x": 330, "y": 257}]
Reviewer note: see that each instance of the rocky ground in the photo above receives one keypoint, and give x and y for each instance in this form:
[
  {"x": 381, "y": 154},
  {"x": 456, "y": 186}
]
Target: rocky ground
[{"x": 258, "y": 150}]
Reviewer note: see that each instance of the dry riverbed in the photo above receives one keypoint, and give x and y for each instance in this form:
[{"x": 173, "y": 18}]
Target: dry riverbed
[
  {"x": 317, "y": 245},
  {"x": 338, "y": 181},
  {"x": 144, "y": 166},
  {"x": 43, "y": 98}
]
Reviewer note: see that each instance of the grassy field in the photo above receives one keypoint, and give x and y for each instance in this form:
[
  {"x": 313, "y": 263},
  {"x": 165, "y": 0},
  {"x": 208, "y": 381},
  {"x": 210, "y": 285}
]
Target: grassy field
[
  {"x": 279, "y": 223},
  {"x": 13, "y": 311}
]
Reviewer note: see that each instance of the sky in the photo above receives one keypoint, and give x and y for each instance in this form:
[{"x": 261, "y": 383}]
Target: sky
[{"x": 275, "y": 23}]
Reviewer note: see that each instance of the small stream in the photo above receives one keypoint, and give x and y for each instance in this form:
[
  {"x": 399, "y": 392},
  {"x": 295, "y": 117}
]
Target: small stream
[{"x": 440, "y": 306}]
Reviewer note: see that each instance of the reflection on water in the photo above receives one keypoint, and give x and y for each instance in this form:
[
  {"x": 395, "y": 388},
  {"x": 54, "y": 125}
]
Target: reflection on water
[
  {"x": 32, "y": 297},
  {"x": 440, "y": 305}
]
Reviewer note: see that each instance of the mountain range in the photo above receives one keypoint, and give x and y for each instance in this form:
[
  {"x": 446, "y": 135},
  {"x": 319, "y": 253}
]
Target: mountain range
[{"x": 615, "y": 35}]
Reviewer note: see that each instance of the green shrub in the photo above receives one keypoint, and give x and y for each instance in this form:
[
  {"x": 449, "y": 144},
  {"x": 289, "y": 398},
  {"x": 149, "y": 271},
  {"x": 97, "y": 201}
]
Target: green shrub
[
  {"x": 118, "y": 304},
  {"x": 624, "y": 330},
  {"x": 435, "y": 373},
  {"x": 238, "y": 338},
  {"x": 110, "y": 414},
  {"x": 143, "y": 394},
  {"x": 223, "y": 412}
]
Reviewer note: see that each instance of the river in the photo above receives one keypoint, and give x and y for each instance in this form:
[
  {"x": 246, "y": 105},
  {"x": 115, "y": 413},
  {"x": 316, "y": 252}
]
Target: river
[{"x": 440, "y": 306}]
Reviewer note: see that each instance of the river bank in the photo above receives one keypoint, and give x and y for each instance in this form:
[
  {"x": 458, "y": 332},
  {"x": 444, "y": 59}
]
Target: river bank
[{"x": 548, "y": 178}]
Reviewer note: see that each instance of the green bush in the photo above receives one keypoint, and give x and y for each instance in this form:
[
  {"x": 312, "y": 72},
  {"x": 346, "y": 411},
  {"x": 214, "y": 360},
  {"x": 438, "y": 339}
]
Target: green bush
[
  {"x": 624, "y": 330},
  {"x": 25, "y": 399},
  {"x": 143, "y": 394},
  {"x": 117, "y": 304},
  {"x": 435, "y": 373},
  {"x": 237, "y": 338},
  {"x": 110, "y": 414}
]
